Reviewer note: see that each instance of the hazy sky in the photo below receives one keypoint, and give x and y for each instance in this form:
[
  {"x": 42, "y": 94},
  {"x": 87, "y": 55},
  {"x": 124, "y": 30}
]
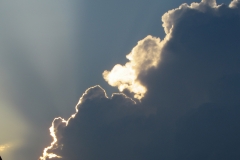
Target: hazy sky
[{"x": 186, "y": 75}]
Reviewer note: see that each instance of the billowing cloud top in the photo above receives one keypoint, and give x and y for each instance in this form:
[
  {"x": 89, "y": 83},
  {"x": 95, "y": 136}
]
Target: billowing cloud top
[
  {"x": 189, "y": 86},
  {"x": 142, "y": 58}
]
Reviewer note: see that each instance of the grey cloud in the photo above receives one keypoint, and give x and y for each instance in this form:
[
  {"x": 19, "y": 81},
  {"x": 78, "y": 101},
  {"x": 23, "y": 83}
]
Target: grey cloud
[
  {"x": 190, "y": 109},
  {"x": 100, "y": 118},
  {"x": 209, "y": 132}
]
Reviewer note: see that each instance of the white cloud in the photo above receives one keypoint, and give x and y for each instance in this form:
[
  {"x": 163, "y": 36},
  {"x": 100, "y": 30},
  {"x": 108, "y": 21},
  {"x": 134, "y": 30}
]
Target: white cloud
[
  {"x": 144, "y": 56},
  {"x": 234, "y": 4}
]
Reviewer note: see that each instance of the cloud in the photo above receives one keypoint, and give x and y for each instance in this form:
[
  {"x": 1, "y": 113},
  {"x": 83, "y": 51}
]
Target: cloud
[
  {"x": 95, "y": 114},
  {"x": 143, "y": 57},
  {"x": 209, "y": 132},
  {"x": 188, "y": 84}
]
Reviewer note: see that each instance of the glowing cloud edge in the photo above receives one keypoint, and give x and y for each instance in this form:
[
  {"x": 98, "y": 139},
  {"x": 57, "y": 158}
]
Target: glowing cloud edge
[{"x": 60, "y": 120}]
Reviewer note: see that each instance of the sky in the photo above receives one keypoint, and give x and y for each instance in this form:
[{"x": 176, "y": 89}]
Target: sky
[{"x": 172, "y": 65}]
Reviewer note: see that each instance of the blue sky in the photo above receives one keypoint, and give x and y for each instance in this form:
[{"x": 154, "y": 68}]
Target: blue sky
[{"x": 52, "y": 51}]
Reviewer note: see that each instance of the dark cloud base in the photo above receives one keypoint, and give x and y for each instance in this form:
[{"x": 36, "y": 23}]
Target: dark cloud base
[{"x": 191, "y": 108}]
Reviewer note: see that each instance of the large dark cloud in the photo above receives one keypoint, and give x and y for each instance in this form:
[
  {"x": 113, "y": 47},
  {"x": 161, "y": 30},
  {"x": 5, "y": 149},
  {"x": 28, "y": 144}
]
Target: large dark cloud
[{"x": 190, "y": 109}]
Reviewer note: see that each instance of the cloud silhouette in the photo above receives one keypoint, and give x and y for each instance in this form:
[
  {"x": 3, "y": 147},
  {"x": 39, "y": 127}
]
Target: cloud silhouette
[{"x": 189, "y": 103}]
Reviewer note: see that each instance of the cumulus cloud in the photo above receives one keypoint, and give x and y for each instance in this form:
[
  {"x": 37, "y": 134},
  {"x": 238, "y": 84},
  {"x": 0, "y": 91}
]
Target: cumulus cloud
[
  {"x": 171, "y": 17},
  {"x": 189, "y": 90},
  {"x": 95, "y": 114},
  {"x": 143, "y": 57}
]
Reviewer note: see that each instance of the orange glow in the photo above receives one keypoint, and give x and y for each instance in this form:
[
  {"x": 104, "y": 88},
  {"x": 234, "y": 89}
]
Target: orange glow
[{"x": 4, "y": 147}]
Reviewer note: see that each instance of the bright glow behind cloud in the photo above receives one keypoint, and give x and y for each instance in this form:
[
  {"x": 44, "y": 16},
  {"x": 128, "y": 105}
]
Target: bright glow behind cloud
[
  {"x": 90, "y": 93},
  {"x": 37, "y": 61},
  {"x": 145, "y": 55},
  {"x": 4, "y": 147},
  {"x": 53, "y": 145}
]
